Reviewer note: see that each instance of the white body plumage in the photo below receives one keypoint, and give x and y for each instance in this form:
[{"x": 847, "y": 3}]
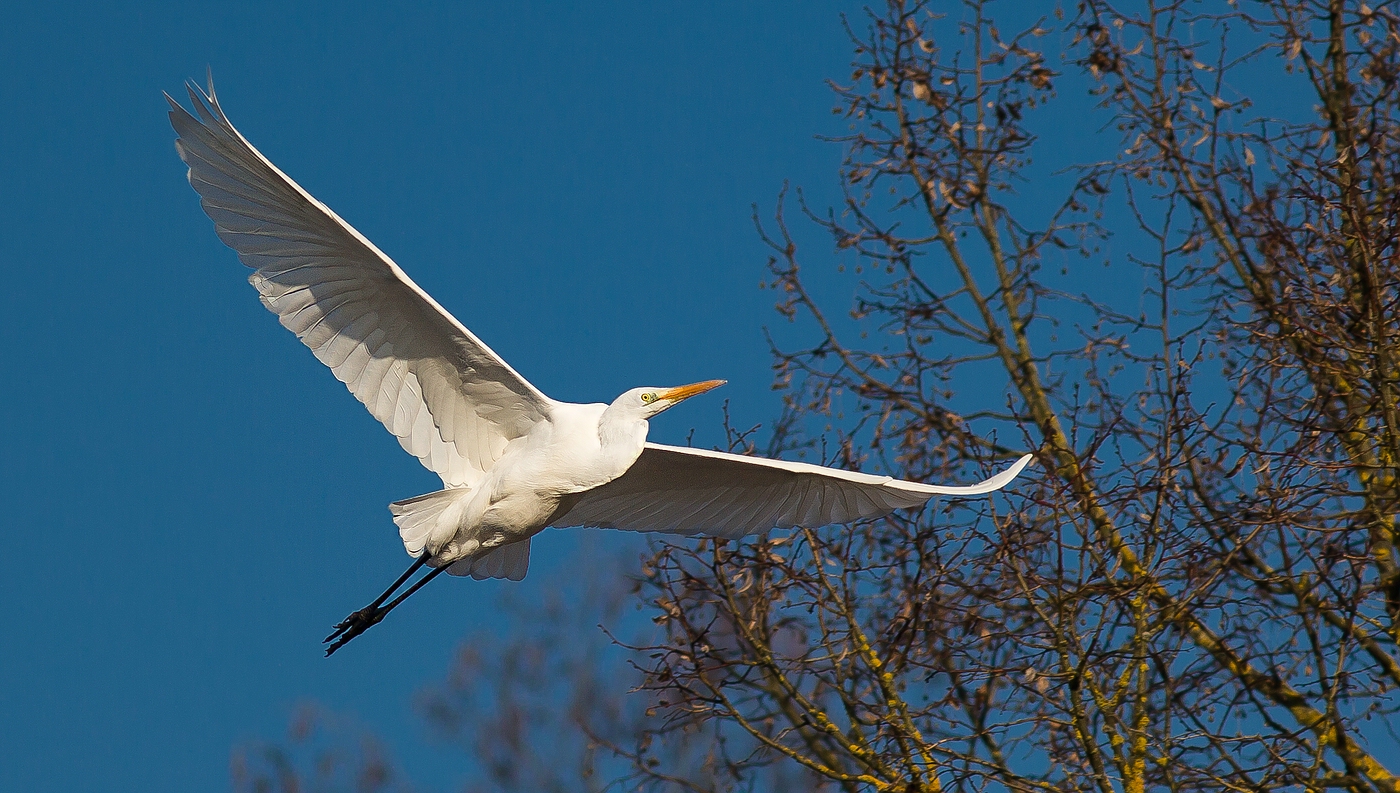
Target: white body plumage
[{"x": 576, "y": 449}]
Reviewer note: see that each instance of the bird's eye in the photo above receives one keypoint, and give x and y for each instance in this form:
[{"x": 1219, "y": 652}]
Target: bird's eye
[{"x": 648, "y": 398}]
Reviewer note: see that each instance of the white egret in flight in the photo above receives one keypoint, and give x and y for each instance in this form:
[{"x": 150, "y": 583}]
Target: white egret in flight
[{"x": 512, "y": 460}]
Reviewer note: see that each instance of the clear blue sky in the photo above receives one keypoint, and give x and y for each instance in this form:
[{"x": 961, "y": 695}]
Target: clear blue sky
[{"x": 191, "y": 501}]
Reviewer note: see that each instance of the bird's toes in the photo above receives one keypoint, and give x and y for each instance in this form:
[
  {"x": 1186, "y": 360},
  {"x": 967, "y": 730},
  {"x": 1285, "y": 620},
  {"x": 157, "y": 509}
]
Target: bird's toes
[
  {"x": 340, "y": 629},
  {"x": 352, "y": 626}
]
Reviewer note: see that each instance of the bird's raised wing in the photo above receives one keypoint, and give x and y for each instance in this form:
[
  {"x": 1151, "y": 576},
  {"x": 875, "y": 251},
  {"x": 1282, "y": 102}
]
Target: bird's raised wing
[
  {"x": 693, "y": 491},
  {"x": 451, "y": 401}
]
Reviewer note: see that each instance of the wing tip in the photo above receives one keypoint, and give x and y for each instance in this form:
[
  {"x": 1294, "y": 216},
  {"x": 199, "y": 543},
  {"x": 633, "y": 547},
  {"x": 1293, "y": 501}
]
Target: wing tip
[
  {"x": 1006, "y": 477},
  {"x": 988, "y": 485},
  {"x": 1019, "y": 466},
  {"x": 205, "y": 102}
]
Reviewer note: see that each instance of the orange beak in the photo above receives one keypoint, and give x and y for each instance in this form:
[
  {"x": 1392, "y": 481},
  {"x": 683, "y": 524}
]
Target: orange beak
[{"x": 688, "y": 391}]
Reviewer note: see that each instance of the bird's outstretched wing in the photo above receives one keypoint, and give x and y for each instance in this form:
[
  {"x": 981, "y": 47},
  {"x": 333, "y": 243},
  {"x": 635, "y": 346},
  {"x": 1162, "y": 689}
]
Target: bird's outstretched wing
[
  {"x": 451, "y": 401},
  {"x": 693, "y": 491}
]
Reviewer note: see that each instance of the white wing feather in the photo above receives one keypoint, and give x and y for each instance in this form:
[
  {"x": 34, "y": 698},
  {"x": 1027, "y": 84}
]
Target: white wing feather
[
  {"x": 451, "y": 401},
  {"x": 693, "y": 491}
]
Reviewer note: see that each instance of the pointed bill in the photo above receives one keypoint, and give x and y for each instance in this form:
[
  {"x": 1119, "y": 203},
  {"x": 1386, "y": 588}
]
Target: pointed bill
[{"x": 688, "y": 391}]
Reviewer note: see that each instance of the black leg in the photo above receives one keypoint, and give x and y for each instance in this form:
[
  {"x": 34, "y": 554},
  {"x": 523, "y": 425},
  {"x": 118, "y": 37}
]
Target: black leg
[
  {"x": 425, "y": 579},
  {"x": 413, "y": 568},
  {"x": 362, "y": 620}
]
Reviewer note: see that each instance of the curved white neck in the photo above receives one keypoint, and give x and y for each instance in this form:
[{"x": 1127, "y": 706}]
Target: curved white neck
[{"x": 622, "y": 435}]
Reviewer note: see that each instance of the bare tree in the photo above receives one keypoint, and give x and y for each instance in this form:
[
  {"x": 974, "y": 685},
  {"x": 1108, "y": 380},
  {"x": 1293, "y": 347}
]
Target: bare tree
[
  {"x": 1155, "y": 243},
  {"x": 1200, "y": 592}
]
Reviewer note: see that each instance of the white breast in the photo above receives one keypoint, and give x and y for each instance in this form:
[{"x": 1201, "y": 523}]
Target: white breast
[{"x": 569, "y": 454}]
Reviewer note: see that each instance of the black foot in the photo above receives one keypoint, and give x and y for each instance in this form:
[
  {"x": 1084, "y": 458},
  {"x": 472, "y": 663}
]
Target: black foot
[{"x": 353, "y": 626}]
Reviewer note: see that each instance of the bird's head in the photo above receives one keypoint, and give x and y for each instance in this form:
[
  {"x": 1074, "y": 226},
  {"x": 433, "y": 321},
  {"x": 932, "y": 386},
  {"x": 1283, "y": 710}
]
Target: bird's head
[{"x": 647, "y": 402}]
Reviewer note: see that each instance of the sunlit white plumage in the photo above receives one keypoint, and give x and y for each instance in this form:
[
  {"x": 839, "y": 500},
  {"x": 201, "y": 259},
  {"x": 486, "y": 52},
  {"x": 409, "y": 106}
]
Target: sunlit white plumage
[{"x": 512, "y": 460}]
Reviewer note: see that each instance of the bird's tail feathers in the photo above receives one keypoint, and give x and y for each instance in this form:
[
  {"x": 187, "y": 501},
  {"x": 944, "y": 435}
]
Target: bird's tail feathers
[
  {"x": 507, "y": 561},
  {"x": 417, "y": 517},
  {"x": 420, "y": 517}
]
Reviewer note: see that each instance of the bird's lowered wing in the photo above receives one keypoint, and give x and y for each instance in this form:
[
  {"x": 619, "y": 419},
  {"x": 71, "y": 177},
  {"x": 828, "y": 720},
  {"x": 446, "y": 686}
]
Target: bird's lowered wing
[
  {"x": 451, "y": 401},
  {"x": 693, "y": 491}
]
